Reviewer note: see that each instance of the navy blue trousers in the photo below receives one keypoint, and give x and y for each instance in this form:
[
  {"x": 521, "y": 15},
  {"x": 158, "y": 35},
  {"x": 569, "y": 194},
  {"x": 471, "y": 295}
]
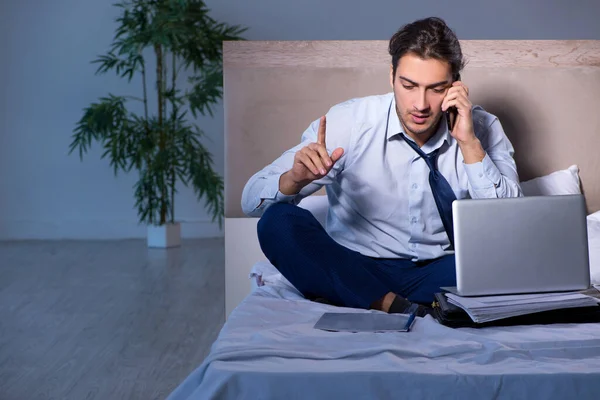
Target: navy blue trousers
[{"x": 300, "y": 248}]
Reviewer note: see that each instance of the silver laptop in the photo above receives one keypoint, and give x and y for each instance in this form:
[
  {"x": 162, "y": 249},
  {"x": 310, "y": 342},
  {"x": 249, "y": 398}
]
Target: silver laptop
[{"x": 520, "y": 245}]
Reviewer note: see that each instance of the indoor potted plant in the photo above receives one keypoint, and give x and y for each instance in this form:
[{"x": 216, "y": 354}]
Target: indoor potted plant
[{"x": 155, "y": 42}]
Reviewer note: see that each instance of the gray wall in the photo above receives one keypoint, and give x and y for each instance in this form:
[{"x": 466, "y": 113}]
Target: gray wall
[{"x": 46, "y": 79}]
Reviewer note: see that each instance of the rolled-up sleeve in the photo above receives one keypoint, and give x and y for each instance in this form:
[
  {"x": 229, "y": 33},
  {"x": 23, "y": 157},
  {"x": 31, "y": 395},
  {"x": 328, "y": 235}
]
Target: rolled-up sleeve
[
  {"x": 496, "y": 175},
  {"x": 262, "y": 189},
  {"x": 259, "y": 195}
]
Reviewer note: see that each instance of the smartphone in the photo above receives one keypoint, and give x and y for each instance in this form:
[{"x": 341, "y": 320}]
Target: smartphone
[{"x": 452, "y": 112}]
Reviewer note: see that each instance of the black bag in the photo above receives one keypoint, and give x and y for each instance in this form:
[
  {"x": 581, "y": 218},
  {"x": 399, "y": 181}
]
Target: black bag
[{"x": 455, "y": 317}]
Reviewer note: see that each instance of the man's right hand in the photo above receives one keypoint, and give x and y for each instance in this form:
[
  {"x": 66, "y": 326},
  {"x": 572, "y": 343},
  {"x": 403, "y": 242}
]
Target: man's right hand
[{"x": 312, "y": 162}]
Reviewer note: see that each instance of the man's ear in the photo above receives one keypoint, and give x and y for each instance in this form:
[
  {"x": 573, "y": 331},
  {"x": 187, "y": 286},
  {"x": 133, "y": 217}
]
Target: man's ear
[{"x": 392, "y": 76}]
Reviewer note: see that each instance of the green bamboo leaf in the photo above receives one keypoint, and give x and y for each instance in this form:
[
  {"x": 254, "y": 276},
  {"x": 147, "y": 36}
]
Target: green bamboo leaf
[{"x": 163, "y": 154}]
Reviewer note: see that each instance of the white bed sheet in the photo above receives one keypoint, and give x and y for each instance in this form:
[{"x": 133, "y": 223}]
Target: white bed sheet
[{"x": 268, "y": 349}]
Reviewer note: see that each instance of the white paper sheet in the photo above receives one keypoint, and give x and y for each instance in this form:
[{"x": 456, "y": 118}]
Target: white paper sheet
[{"x": 491, "y": 308}]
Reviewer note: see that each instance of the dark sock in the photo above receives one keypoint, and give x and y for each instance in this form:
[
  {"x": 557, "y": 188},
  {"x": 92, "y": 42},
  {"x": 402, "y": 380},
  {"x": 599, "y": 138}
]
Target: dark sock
[
  {"x": 323, "y": 300},
  {"x": 402, "y": 306}
]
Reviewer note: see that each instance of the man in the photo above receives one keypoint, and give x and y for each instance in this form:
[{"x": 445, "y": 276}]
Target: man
[{"x": 392, "y": 168}]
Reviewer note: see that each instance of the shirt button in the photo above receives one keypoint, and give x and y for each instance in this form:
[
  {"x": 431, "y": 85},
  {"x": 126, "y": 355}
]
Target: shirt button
[
  {"x": 481, "y": 175},
  {"x": 414, "y": 186},
  {"x": 413, "y": 220}
]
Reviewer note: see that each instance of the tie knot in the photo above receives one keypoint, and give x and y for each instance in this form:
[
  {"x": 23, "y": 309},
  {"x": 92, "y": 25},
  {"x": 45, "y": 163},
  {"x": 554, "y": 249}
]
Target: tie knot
[
  {"x": 430, "y": 158},
  {"x": 433, "y": 155}
]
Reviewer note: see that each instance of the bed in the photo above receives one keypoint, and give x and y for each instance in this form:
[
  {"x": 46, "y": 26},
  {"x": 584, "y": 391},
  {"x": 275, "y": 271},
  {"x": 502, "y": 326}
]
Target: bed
[{"x": 546, "y": 95}]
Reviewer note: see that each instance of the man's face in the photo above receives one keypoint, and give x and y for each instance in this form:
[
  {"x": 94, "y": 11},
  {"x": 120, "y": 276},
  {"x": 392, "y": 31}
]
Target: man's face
[{"x": 419, "y": 88}]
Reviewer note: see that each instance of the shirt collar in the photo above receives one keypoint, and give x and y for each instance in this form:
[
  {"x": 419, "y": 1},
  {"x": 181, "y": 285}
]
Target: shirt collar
[{"x": 394, "y": 127}]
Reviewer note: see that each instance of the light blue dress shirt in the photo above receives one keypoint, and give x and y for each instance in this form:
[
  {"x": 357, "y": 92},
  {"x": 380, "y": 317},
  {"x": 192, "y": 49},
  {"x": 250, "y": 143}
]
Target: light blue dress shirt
[{"x": 380, "y": 202}]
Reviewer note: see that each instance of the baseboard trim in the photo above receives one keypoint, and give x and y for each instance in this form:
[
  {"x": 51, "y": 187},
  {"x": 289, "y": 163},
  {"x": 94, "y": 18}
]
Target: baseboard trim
[{"x": 97, "y": 229}]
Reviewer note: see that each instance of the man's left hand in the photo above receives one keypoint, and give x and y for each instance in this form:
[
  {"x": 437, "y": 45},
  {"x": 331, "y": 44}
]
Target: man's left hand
[
  {"x": 463, "y": 132},
  {"x": 458, "y": 96}
]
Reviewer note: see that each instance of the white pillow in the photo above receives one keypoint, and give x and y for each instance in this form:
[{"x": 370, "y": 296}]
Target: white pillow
[
  {"x": 593, "y": 226},
  {"x": 561, "y": 182}
]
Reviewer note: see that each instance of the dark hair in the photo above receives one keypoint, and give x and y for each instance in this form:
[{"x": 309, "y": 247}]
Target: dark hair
[{"x": 427, "y": 38}]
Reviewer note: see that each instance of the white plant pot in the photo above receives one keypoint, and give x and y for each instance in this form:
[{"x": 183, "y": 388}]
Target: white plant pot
[{"x": 164, "y": 236}]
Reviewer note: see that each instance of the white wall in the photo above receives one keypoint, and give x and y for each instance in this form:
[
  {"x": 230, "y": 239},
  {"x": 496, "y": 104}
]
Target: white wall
[{"x": 46, "y": 79}]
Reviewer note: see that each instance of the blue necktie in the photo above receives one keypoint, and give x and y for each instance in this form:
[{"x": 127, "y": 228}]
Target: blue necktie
[{"x": 442, "y": 192}]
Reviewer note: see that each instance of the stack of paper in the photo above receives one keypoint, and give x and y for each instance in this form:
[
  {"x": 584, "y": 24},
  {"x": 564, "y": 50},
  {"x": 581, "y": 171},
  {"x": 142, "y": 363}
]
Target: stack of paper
[{"x": 491, "y": 308}]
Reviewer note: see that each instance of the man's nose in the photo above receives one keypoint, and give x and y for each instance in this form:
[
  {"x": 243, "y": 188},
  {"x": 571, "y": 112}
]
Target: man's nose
[{"x": 421, "y": 103}]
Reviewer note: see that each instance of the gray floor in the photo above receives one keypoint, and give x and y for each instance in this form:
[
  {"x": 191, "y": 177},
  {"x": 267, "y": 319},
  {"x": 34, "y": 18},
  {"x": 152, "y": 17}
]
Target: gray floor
[{"x": 106, "y": 319}]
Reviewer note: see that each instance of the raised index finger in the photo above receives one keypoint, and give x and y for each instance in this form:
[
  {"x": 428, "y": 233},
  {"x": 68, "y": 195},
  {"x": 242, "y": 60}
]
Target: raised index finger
[{"x": 321, "y": 133}]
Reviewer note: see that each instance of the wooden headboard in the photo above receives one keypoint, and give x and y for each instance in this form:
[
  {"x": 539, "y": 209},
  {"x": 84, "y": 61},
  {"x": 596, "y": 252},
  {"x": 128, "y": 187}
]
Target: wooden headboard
[{"x": 545, "y": 93}]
